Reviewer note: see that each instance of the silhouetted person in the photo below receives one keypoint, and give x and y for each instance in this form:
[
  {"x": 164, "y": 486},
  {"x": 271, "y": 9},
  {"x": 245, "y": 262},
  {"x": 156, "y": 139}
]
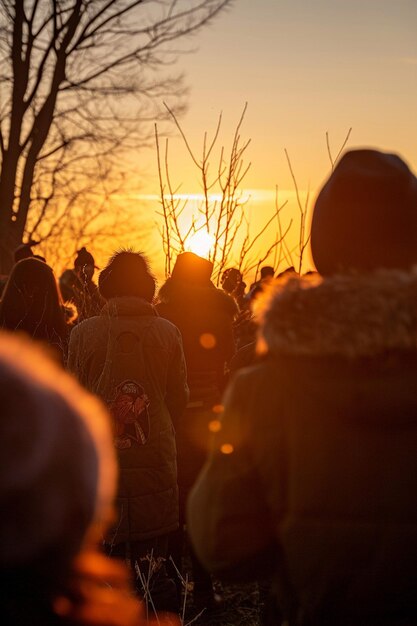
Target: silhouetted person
[
  {"x": 266, "y": 275},
  {"x": 313, "y": 474},
  {"x": 77, "y": 286},
  {"x": 31, "y": 304},
  {"x": 232, "y": 283},
  {"x": 58, "y": 476},
  {"x": 133, "y": 359},
  {"x": 204, "y": 316}
]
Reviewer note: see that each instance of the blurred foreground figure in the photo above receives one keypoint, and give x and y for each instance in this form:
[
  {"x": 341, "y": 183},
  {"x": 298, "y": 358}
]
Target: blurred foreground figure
[
  {"x": 57, "y": 483},
  {"x": 314, "y": 473}
]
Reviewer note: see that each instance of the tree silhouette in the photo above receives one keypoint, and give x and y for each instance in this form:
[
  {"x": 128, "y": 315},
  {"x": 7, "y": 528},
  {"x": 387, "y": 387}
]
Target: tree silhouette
[{"x": 76, "y": 77}]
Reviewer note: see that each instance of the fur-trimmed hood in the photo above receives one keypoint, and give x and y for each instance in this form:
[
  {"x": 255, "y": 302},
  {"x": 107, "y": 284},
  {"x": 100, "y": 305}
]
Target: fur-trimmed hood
[{"x": 346, "y": 315}]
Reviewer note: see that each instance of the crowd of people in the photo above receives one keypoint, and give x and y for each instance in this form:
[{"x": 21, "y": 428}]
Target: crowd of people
[{"x": 264, "y": 434}]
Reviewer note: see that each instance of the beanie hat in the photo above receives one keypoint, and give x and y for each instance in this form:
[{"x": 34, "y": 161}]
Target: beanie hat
[
  {"x": 192, "y": 269},
  {"x": 365, "y": 216},
  {"x": 57, "y": 463},
  {"x": 84, "y": 258},
  {"x": 127, "y": 274}
]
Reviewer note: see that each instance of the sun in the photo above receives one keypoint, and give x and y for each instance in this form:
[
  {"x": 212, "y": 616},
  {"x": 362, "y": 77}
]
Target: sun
[{"x": 200, "y": 243}]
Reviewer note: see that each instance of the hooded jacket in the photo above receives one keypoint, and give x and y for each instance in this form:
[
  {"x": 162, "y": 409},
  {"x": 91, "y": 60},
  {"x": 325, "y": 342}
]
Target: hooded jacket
[
  {"x": 126, "y": 342},
  {"x": 313, "y": 474}
]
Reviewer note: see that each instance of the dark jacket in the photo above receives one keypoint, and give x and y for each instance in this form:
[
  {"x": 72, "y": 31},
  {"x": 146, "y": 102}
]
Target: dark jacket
[
  {"x": 129, "y": 342},
  {"x": 314, "y": 472},
  {"x": 204, "y": 315}
]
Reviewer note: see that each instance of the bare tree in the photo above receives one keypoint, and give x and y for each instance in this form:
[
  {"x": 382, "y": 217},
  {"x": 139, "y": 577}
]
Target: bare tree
[
  {"x": 76, "y": 77},
  {"x": 222, "y": 211}
]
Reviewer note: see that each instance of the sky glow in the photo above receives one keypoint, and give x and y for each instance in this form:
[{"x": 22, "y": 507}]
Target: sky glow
[{"x": 305, "y": 69}]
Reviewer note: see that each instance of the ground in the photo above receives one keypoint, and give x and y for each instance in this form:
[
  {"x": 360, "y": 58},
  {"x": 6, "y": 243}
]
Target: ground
[{"x": 241, "y": 607}]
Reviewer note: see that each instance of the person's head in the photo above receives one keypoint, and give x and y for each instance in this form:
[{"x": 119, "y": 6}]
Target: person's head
[
  {"x": 231, "y": 279},
  {"x": 267, "y": 272},
  {"x": 31, "y": 301},
  {"x": 290, "y": 271},
  {"x": 24, "y": 251},
  {"x": 365, "y": 216},
  {"x": 127, "y": 274},
  {"x": 84, "y": 264},
  {"x": 58, "y": 473},
  {"x": 192, "y": 269}
]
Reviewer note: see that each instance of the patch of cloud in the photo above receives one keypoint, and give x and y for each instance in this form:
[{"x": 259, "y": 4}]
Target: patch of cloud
[{"x": 408, "y": 60}]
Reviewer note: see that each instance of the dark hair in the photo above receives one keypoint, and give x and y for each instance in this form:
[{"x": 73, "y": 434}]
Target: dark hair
[
  {"x": 31, "y": 303},
  {"x": 231, "y": 278},
  {"x": 127, "y": 273},
  {"x": 267, "y": 270}
]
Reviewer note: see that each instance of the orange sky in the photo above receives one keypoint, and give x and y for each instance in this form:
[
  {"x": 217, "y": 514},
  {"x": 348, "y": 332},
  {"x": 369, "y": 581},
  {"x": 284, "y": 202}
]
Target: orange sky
[{"x": 304, "y": 68}]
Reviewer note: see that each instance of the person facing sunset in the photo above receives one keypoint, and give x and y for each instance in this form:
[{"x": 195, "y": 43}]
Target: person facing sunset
[
  {"x": 313, "y": 474},
  {"x": 204, "y": 315},
  {"x": 31, "y": 304},
  {"x": 133, "y": 359},
  {"x": 77, "y": 286}
]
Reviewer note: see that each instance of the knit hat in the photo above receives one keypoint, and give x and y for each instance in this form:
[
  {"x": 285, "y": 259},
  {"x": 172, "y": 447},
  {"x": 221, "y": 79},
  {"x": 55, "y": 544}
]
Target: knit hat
[
  {"x": 84, "y": 257},
  {"x": 57, "y": 462},
  {"x": 365, "y": 216},
  {"x": 192, "y": 269}
]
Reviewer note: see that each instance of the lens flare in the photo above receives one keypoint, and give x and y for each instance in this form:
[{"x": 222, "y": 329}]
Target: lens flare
[
  {"x": 215, "y": 426},
  {"x": 207, "y": 341}
]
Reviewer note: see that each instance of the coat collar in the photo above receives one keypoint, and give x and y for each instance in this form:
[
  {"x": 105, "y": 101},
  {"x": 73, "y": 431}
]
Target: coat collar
[{"x": 127, "y": 306}]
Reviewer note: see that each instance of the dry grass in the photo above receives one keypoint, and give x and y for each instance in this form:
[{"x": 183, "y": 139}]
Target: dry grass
[{"x": 242, "y": 607}]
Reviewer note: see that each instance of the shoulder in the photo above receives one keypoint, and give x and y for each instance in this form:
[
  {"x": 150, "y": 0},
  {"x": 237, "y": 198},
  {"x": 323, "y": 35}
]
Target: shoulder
[
  {"x": 226, "y": 303},
  {"x": 254, "y": 387},
  {"x": 264, "y": 370},
  {"x": 88, "y": 326},
  {"x": 163, "y": 325},
  {"x": 215, "y": 301}
]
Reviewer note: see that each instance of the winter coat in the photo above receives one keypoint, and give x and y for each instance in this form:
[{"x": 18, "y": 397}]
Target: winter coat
[
  {"x": 313, "y": 475},
  {"x": 134, "y": 360},
  {"x": 204, "y": 316}
]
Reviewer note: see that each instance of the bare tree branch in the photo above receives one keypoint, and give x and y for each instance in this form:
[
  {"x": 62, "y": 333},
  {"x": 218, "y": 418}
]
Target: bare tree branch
[{"x": 69, "y": 72}]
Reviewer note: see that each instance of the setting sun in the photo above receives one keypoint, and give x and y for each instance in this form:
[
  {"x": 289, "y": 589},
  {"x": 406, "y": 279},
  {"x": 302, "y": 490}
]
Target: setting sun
[{"x": 200, "y": 243}]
